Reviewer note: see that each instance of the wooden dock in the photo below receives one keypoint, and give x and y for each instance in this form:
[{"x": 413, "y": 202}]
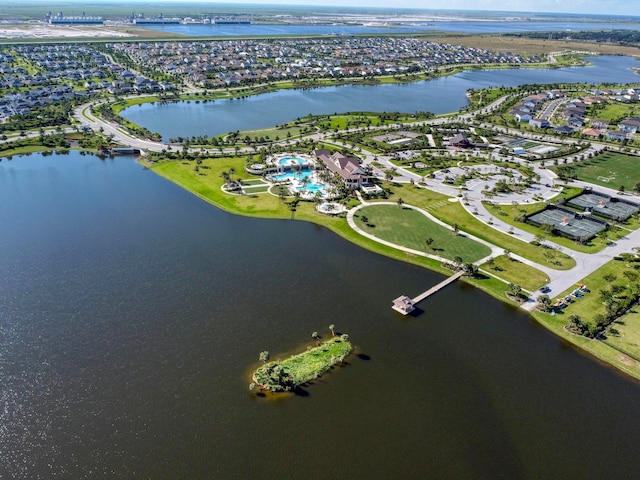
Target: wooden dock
[{"x": 406, "y": 305}]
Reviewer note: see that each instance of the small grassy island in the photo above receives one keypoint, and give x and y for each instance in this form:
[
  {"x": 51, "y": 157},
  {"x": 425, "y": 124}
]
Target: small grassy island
[{"x": 286, "y": 375}]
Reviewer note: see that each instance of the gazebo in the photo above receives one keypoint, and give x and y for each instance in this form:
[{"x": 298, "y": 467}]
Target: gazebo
[{"x": 403, "y": 304}]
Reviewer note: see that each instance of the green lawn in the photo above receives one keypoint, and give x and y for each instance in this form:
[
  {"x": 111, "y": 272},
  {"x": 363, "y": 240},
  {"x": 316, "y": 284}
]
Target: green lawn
[
  {"x": 267, "y": 206},
  {"x": 591, "y": 304},
  {"x": 624, "y": 333},
  {"x": 619, "y": 350},
  {"x": 611, "y": 169},
  {"x": 249, "y": 190},
  {"x": 597, "y": 348},
  {"x": 256, "y": 181},
  {"x": 455, "y": 213},
  {"x": 410, "y": 228},
  {"x": 614, "y": 111},
  {"x": 516, "y": 272},
  {"x": 304, "y": 367}
]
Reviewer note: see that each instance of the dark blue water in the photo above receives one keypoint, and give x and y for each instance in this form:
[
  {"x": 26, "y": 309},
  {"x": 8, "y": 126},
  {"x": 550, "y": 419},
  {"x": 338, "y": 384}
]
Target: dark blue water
[
  {"x": 131, "y": 314},
  {"x": 466, "y": 26},
  {"x": 442, "y": 95}
]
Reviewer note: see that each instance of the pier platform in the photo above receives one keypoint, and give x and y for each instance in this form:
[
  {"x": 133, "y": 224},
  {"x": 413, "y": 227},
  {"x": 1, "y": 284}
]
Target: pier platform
[{"x": 405, "y": 305}]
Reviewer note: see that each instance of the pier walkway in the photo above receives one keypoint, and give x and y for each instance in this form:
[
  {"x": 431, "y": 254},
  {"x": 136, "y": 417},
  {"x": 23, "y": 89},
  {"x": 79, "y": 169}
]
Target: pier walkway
[
  {"x": 439, "y": 286},
  {"x": 406, "y": 305}
]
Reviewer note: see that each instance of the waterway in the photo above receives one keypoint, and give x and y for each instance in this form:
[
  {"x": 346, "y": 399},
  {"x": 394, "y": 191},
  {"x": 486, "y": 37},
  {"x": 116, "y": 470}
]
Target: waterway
[
  {"x": 442, "y": 95},
  {"x": 458, "y": 26},
  {"x": 133, "y": 312}
]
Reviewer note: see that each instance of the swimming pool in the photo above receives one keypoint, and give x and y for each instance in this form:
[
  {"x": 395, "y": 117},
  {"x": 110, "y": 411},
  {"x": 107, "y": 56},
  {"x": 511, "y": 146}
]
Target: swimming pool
[
  {"x": 301, "y": 175},
  {"x": 311, "y": 187},
  {"x": 292, "y": 161}
]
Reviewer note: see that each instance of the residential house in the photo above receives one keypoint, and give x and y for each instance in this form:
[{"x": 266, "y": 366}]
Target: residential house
[
  {"x": 600, "y": 124},
  {"x": 616, "y": 135},
  {"x": 563, "y": 130},
  {"x": 539, "y": 123},
  {"x": 591, "y": 132},
  {"x": 630, "y": 125}
]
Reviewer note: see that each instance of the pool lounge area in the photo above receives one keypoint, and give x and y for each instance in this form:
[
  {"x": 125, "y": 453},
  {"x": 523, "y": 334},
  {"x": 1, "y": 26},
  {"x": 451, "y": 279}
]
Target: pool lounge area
[
  {"x": 304, "y": 182},
  {"x": 292, "y": 162},
  {"x": 298, "y": 171}
]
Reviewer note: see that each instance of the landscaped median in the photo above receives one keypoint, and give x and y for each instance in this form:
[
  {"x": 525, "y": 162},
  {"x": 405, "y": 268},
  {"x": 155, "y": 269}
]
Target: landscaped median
[{"x": 286, "y": 375}]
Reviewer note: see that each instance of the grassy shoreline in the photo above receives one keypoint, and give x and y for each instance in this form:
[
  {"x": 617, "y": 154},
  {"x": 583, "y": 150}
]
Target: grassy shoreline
[
  {"x": 274, "y": 209},
  {"x": 290, "y": 373}
]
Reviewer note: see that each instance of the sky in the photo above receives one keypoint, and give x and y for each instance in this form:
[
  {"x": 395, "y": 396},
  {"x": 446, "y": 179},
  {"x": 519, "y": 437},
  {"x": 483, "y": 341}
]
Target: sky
[{"x": 602, "y": 7}]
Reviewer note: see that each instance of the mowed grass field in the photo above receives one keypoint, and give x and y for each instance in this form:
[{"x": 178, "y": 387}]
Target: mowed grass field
[
  {"x": 611, "y": 169},
  {"x": 516, "y": 272},
  {"x": 410, "y": 228},
  {"x": 624, "y": 333}
]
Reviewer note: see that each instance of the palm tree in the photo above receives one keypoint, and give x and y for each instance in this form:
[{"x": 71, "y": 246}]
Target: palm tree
[
  {"x": 515, "y": 290},
  {"x": 544, "y": 302}
]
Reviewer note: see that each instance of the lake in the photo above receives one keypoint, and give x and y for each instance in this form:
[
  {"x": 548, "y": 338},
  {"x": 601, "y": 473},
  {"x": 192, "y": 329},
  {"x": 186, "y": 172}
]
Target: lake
[
  {"x": 442, "y": 95},
  {"x": 133, "y": 313}
]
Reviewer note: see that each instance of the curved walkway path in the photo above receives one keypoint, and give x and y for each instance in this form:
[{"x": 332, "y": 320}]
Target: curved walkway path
[{"x": 350, "y": 214}]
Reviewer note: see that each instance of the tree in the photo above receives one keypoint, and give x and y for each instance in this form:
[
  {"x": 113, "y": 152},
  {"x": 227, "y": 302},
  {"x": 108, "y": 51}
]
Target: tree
[
  {"x": 600, "y": 320},
  {"x": 576, "y": 325},
  {"x": 544, "y": 303},
  {"x": 470, "y": 269},
  {"x": 388, "y": 175},
  {"x": 264, "y": 356},
  {"x": 515, "y": 290},
  {"x": 539, "y": 238},
  {"x": 315, "y": 335},
  {"x": 429, "y": 242},
  {"x": 332, "y": 328},
  {"x": 609, "y": 278}
]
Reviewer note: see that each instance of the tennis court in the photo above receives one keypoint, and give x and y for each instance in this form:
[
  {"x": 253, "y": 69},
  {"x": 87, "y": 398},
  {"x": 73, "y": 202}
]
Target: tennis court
[
  {"x": 604, "y": 205},
  {"x": 568, "y": 223}
]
